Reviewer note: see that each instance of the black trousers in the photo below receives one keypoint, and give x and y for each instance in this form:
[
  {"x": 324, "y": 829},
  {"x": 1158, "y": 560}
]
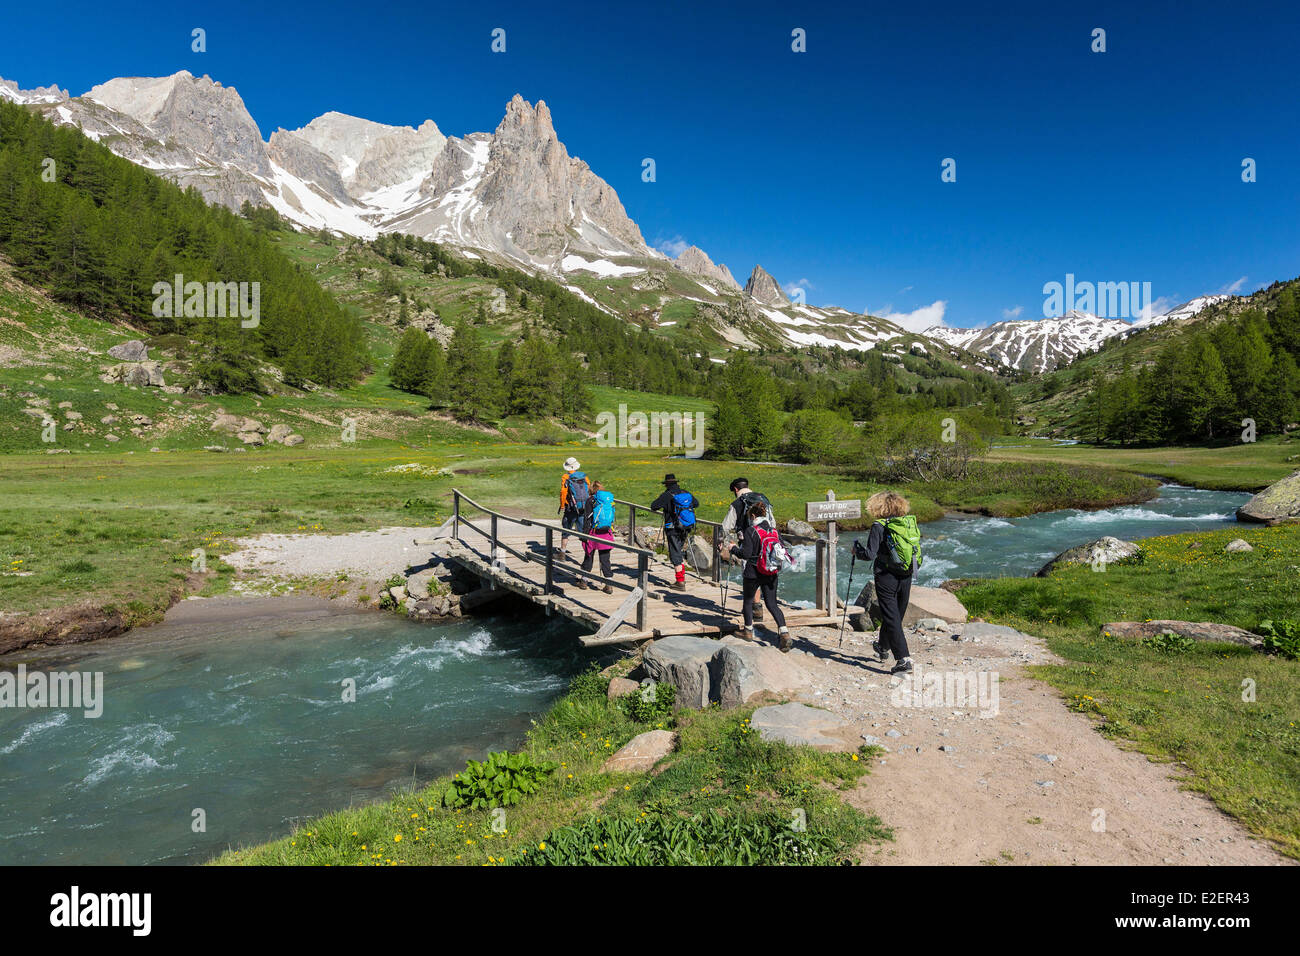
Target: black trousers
[
  {"x": 764, "y": 584},
  {"x": 604, "y": 562},
  {"x": 892, "y": 593}
]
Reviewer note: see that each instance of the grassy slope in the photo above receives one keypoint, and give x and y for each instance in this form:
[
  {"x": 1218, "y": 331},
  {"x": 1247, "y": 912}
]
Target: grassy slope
[
  {"x": 1187, "y": 707},
  {"x": 1238, "y": 467},
  {"x": 720, "y": 766}
]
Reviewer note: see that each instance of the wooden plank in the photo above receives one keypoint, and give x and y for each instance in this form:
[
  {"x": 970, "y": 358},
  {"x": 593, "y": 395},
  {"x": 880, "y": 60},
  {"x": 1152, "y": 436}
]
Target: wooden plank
[{"x": 616, "y": 619}]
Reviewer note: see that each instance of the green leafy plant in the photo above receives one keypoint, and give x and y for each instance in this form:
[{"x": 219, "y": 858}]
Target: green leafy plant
[
  {"x": 1281, "y": 637},
  {"x": 1167, "y": 642},
  {"x": 650, "y": 706},
  {"x": 500, "y": 781}
]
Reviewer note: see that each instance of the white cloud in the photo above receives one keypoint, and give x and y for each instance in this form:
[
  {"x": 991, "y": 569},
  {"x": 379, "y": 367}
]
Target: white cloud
[
  {"x": 920, "y": 319},
  {"x": 1009, "y": 314},
  {"x": 673, "y": 247},
  {"x": 1160, "y": 306},
  {"x": 1233, "y": 288},
  {"x": 793, "y": 287}
]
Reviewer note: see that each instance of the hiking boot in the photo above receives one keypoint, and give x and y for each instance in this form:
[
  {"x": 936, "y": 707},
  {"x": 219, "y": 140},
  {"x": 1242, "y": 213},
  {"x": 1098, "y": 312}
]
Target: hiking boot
[
  {"x": 758, "y": 612},
  {"x": 787, "y": 642},
  {"x": 745, "y": 634},
  {"x": 679, "y": 585},
  {"x": 902, "y": 667},
  {"x": 608, "y": 589},
  {"x": 879, "y": 648},
  {"x": 582, "y": 584}
]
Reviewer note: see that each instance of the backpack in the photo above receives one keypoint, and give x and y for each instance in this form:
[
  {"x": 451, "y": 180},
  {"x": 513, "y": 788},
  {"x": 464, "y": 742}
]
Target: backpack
[
  {"x": 683, "y": 513},
  {"x": 602, "y": 514},
  {"x": 773, "y": 558},
  {"x": 748, "y": 499},
  {"x": 902, "y": 545},
  {"x": 579, "y": 492}
]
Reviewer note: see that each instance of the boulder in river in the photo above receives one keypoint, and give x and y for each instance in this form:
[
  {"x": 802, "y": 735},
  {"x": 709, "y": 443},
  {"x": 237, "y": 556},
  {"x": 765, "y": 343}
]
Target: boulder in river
[
  {"x": 1277, "y": 503},
  {"x": 1106, "y": 550},
  {"x": 800, "y": 529},
  {"x": 1205, "y": 631}
]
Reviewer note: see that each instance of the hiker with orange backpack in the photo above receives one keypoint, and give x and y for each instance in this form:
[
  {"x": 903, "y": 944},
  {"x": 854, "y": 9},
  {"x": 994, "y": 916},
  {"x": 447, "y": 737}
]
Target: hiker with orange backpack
[
  {"x": 765, "y": 558},
  {"x": 575, "y": 491},
  {"x": 678, "y": 507}
]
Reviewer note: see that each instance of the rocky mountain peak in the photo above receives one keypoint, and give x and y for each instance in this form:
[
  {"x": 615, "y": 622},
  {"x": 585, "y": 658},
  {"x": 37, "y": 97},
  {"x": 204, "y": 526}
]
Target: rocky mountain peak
[
  {"x": 763, "y": 288},
  {"x": 695, "y": 261},
  {"x": 42, "y": 94}
]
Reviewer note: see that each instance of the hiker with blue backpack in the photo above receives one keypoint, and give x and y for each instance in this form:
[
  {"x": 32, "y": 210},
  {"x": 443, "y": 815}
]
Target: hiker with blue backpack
[
  {"x": 575, "y": 491},
  {"x": 678, "y": 507},
  {"x": 765, "y": 558},
  {"x": 598, "y": 521},
  {"x": 894, "y": 545}
]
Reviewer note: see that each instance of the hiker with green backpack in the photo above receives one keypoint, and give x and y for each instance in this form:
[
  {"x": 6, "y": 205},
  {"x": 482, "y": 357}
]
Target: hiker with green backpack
[
  {"x": 678, "y": 507},
  {"x": 894, "y": 544}
]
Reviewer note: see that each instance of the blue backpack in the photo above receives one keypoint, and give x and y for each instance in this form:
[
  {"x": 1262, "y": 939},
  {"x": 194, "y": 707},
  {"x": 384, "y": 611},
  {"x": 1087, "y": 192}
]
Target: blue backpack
[
  {"x": 602, "y": 514},
  {"x": 683, "y": 513},
  {"x": 579, "y": 492}
]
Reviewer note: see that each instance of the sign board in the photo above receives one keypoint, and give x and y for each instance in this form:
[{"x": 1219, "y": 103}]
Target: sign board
[{"x": 834, "y": 510}]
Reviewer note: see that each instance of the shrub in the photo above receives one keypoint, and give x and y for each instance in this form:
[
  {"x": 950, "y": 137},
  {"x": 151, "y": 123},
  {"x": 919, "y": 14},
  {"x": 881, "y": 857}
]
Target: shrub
[
  {"x": 651, "y": 705},
  {"x": 1281, "y": 637},
  {"x": 500, "y": 781}
]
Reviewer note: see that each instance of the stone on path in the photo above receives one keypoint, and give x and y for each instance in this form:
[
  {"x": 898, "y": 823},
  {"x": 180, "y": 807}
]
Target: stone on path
[
  {"x": 923, "y": 604},
  {"x": 642, "y": 752},
  {"x": 798, "y": 724},
  {"x": 1238, "y": 545},
  {"x": 741, "y": 671},
  {"x": 1277, "y": 503}
]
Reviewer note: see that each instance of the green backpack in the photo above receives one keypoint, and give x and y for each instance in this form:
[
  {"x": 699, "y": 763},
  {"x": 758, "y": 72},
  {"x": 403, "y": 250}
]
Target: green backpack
[{"x": 902, "y": 544}]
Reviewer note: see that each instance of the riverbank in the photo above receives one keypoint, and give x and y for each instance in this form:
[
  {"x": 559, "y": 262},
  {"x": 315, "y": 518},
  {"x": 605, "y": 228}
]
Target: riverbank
[
  {"x": 152, "y": 529},
  {"x": 1018, "y": 782}
]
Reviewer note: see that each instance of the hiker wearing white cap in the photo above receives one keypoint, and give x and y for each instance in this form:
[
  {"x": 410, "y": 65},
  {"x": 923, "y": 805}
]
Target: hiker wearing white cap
[{"x": 574, "y": 492}]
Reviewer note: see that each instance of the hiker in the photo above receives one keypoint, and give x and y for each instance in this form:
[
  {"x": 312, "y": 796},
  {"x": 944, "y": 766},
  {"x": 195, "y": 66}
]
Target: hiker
[
  {"x": 894, "y": 544},
  {"x": 678, "y": 507},
  {"x": 764, "y": 556},
  {"x": 598, "y": 521},
  {"x": 737, "y": 520},
  {"x": 574, "y": 494}
]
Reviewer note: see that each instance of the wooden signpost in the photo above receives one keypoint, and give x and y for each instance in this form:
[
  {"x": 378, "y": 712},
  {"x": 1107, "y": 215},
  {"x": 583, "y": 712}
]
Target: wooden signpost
[{"x": 829, "y": 511}]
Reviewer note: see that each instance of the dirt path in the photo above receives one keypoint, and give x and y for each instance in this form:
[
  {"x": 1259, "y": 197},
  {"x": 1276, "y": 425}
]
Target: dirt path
[{"x": 1032, "y": 784}]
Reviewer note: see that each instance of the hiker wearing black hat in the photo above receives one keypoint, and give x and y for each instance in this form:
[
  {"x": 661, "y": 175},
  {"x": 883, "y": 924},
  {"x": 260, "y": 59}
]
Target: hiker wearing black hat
[
  {"x": 737, "y": 520},
  {"x": 678, "y": 507}
]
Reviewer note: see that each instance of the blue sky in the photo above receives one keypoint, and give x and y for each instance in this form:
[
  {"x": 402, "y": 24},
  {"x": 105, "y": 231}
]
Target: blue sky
[{"x": 822, "y": 166}]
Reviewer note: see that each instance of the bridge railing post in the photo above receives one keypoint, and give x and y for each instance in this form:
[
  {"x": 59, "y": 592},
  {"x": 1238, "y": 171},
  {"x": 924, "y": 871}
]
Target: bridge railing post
[
  {"x": 643, "y": 581},
  {"x": 493, "y": 551},
  {"x": 455, "y": 514},
  {"x": 631, "y": 525},
  {"x": 821, "y": 574},
  {"x": 550, "y": 560}
]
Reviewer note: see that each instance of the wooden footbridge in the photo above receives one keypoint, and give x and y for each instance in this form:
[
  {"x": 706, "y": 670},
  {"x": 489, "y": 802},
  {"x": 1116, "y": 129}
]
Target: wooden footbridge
[{"x": 522, "y": 555}]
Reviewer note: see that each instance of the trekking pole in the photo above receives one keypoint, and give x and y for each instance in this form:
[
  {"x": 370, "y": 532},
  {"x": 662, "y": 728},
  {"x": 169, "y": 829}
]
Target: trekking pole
[{"x": 847, "y": 591}]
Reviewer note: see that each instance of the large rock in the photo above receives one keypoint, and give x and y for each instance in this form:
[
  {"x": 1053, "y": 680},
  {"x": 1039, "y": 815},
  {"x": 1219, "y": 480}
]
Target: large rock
[
  {"x": 800, "y": 724},
  {"x": 700, "y": 555},
  {"x": 226, "y": 423},
  {"x": 740, "y": 672},
  {"x": 1206, "y": 631},
  {"x": 1277, "y": 503},
  {"x": 134, "y": 373},
  {"x": 1238, "y": 545},
  {"x": 294, "y": 439},
  {"x": 1108, "y": 550},
  {"x": 684, "y": 663},
  {"x": 642, "y": 752},
  {"x": 279, "y": 433},
  {"x": 923, "y": 603},
  {"x": 132, "y": 351},
  {"x": 800, "y": 529}
]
